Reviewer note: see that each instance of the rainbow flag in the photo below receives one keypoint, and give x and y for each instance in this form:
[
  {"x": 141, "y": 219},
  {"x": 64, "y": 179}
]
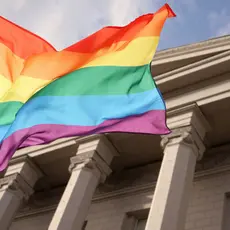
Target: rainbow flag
[{"x": 101, "y": 84}]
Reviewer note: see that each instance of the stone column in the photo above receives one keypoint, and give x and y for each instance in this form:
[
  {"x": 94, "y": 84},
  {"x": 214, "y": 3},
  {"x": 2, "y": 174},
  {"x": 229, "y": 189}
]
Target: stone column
[
  {"x": 15, "y": 187},
  {"x": 174, "y": 184},
  {"x": 88, "y": 168}
]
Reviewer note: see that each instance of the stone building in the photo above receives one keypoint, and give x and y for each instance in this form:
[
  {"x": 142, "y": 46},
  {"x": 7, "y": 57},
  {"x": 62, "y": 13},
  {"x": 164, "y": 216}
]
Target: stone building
[{"x": 107, "y": 182}]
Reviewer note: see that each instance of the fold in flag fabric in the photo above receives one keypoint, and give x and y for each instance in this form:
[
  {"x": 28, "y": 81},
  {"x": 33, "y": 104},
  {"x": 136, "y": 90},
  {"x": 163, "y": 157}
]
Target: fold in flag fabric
[
  {"x": 16, "y": 45},
  {"x": 101, "y": 84}
]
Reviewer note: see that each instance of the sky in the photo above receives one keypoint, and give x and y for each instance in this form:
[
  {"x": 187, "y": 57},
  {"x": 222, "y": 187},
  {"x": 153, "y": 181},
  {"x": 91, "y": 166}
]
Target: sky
[{"x": 63, "y": 23}]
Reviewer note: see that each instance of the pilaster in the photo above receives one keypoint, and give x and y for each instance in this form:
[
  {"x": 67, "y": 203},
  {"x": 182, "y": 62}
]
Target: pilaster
[
  {"x": 88, "y": 168},
  {"x": 182, "y": 148},
  {"x": 16, "y": 187}
]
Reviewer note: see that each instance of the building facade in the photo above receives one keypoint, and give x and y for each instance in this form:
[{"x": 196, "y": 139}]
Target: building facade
[{"x": 126, "y": 181}]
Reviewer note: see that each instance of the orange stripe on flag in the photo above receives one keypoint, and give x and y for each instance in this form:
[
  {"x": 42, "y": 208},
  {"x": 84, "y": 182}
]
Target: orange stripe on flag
[{"x": 137, "y": 52}]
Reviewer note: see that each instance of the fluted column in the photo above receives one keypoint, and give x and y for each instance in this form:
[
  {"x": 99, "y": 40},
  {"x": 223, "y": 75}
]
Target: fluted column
[
  {"x": 170, "y": 201},
  {"x": 88, "y": 168},
  {"x": 15, "y": 187}
]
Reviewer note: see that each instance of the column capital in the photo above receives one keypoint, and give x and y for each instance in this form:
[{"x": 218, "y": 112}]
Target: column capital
[
  {"x": 189, "y": 127},
  {"x": 185, "y": 136},
  {"x": 94, "y": 153},
  {"x": 20, "y": 178},
  {"x": 16, "y": 185},
  {"x": 189, "y": 115}
]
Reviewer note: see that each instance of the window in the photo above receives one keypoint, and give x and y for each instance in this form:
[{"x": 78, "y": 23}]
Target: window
[
  {"x": 135, "y": 220},
  {"x": 141, "y": 224}
]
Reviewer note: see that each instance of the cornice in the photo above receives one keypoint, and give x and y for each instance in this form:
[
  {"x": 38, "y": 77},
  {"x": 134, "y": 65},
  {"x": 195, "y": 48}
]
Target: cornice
[
  {"x": 203, "y": 92},
  {"x": 34, "y": 212},
  {"x": 193, "y": 67},
  {"x": 181, "y": 81},
  {"x": 210, "y": 46}
]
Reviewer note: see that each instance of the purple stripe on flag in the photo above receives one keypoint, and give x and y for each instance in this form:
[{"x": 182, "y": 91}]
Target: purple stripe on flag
[{"x": 152, "y": 122}]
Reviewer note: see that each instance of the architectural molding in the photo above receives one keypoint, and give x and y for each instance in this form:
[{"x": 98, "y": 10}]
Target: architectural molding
[
  {"x": 36, "y": 211},
  {"x": 94, "y": 154},
  {"x": 92, "y": 163},
  {"x": 20, "y": 177},
  {"x": 189, "y": 127},
  {"x": 189, "y": 115},
  {"x": 215, "y": 159},
  {"x": 204, "y": 92},
  {"x": 185, "y": 136},
  {"x": 210, "y": 46},
  {"x": 98, "y": 143},
  {"x": 178, "y": 136},
  {"x": 17, "y": 185},
  {"x": 186, "y": 70}
]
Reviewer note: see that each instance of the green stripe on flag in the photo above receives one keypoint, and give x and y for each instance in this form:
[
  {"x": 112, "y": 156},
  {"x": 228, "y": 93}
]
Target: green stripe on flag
[{"x": 101, "y": 80}]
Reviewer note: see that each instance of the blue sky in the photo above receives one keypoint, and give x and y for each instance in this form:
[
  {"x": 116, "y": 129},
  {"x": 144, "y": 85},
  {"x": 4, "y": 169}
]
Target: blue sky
[{"x": 65, "y": 22}]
